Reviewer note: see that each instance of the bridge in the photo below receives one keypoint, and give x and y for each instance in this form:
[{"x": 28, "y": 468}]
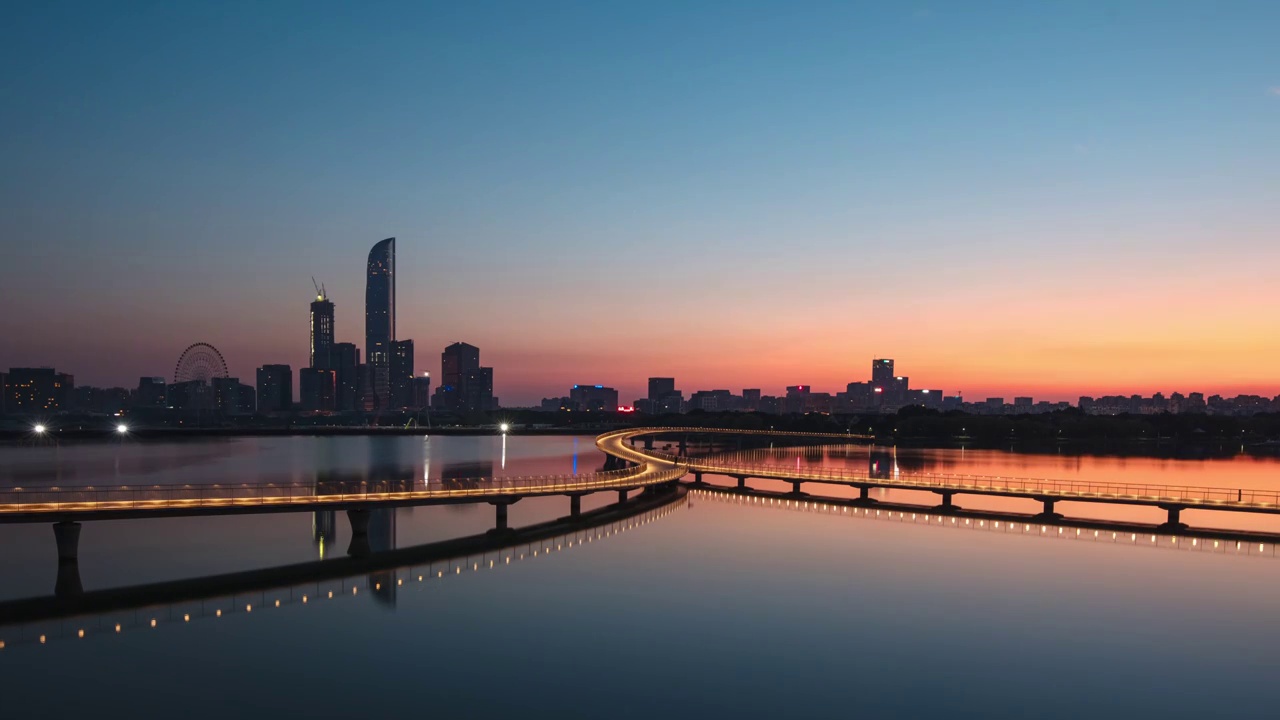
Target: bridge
[
  {"x": 67, "y": 507},
  {"x": 629, "y": 468},
  {"x": 1173, "y": 499},
  {"x": 153, "y": 606}
]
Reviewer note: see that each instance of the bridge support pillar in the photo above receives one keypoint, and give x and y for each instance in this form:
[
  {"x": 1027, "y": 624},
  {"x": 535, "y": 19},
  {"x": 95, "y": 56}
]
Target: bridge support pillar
[
  {"x": 67, "y": 535},
  {"x": 359, "y": 519},
  {"x": 359, "y": 545},
  {"x": 795, "y": 488},
  {"x": 864, "y": 495},
  {"x": 500, "y": 516},
  {"x": 622, "y": 496},
  {"x": 697, "y": 478},
  {"x": 1048, "y": 513},
  {"x": 1174, "y": 524},
  {"x": 742, "y": 482},
  {"x": 575, "y": 505},
  {"x": 946, "y": 505}
]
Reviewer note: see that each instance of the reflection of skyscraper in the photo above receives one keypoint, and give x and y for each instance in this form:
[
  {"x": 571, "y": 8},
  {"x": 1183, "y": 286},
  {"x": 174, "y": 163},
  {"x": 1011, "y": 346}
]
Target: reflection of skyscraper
[
  {"x": 380, "y": 318},
  {"x": 323, "y": 528},
  {"x": 387, "y": 471}
]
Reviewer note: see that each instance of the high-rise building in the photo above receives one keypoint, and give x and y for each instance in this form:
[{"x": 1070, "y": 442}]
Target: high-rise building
[
  {"x": 751, "y": 399},
  {"x": 421, "y": 392},
  {"x": 660, "y": 388},
  {"x": 317, "y": 389},
  {"x": 380, "y": 319},
  {"x": 151, "y": 392},
  {"x": 457, "y": 359},
  {"x": 475, "y": 391},
  {"x": 232, "y": 397},
  {"x": 322, "y": 332},
  {"x": 593, "y": 398},
  {"x": 37, "y": 390},
  {"x": 346, "y": 364},
  {"x": 881, "y": 372},
  {"x": 275, "y": 388},
  {"x": 401, "y": 373},
  {"x": 464, "y": 385}
]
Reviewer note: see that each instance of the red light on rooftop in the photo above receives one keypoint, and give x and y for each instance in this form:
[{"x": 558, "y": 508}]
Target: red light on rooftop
[{"x": 626, "y": 409}]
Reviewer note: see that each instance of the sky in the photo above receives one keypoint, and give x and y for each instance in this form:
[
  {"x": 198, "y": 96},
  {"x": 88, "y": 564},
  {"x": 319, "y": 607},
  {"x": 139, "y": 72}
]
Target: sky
[{"x": 1052, "y": 198}]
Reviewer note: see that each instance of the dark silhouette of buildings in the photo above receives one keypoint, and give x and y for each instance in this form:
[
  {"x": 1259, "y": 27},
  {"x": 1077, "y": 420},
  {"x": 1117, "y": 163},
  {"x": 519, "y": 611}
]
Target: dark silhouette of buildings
[
  {"x": 190, "y": 395},
  {"x": 346, "y": 366},
  {"x": 151, "y": 393},
  {"x": 401, "y": 373},
  {"x": 593, "y": 398},
  {"x": 465, "y": 387},
  {"x": 275, "y": 388},
  {"x": 37, "y": 390},
  {"x": 421, "y": 387},
  {"x": 317, "y": 389},
  {"x": 232, "y": 397},
  {"x": 380, "y": 320}
]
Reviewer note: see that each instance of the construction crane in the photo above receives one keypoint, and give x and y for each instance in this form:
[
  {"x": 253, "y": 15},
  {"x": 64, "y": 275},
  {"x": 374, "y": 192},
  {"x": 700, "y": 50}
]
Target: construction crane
[{"x": 321, "y": 294}]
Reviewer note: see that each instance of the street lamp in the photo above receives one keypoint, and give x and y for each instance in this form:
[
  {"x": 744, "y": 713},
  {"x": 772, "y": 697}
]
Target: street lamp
[
  {"x": 122, "y": 429},
  {"x": 39, "y": 429},
  {"x": 504, "y": 428}
]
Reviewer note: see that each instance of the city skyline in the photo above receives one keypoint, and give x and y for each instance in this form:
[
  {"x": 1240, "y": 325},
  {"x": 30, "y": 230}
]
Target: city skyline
[{"x": 1021, "y": 205}]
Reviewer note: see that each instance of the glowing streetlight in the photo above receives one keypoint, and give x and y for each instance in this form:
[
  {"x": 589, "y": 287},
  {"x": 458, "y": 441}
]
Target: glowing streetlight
[
  {"x": 39, "y": 429},
  {"x": 505, "y": 427},
  {"x": 122, "y": 429}
]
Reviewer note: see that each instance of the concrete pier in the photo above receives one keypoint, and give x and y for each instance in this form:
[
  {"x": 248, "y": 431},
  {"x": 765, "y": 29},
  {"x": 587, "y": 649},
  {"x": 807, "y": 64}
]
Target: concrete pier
[
  {"x": 67, "y": 535},
  {"x": 946, "y": 505},
  {"x": 1048, "y": 512}
]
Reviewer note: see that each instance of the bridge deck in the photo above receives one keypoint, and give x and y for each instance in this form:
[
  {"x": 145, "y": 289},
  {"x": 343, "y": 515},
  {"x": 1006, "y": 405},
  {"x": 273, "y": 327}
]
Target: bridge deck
[
  {"x": 1043, "y": 489},
  {"x": 43, "y": 504}
]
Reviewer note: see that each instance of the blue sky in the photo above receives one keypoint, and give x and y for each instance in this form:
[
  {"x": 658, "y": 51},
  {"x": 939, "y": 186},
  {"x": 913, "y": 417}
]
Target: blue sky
[{"x": 747, "y": 173}]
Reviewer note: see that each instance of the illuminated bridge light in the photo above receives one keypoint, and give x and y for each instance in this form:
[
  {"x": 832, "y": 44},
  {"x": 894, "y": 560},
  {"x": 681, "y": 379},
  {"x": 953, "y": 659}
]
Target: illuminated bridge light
[
  {"x": 42, "y": 639},
  {"x": 80, "y": 632},
  {"x": 153, "y": 622},
  {"x": 186, "y": 618}
]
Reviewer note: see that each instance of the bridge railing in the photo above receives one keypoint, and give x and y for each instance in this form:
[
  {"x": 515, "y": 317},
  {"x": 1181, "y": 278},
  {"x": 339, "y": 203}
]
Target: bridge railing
[
  {"x": 248, "y": 494},
  {"x": 998, "y": 484}
]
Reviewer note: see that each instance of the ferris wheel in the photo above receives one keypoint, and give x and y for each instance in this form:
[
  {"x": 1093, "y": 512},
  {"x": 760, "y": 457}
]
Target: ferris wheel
[{"x": 200, "y": 361}]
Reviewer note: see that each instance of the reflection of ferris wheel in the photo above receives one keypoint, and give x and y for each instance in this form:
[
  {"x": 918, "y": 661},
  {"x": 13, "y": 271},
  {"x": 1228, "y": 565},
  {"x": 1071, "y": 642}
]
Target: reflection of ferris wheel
[{"x": 202, "y": 362}]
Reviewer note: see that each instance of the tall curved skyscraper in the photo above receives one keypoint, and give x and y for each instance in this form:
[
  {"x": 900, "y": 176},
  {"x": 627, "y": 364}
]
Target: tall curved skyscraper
[{"x": 380, "y": 319}]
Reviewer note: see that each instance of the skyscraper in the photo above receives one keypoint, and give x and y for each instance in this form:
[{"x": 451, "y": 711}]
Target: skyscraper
[
  {"x": 456, "y": 360},
  {"x": 380, "y": 319},
  {"x": 346, "y": 363},
  {"x": 660, "y": 388},
  {"x": 275, "y": 388},
  {"x": 401, "y": 373},
  {"x": 464, "y": 385},
  {"x": 322, "y": 332},
  {"x": 881, "y": 372}
]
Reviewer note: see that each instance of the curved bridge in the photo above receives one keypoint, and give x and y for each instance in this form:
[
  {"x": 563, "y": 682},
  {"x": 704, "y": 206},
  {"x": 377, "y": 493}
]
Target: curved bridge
[{"x": 1173, "y": 499}]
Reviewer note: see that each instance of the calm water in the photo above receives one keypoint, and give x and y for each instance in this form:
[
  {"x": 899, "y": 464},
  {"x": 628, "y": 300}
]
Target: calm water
[{"x": 710, "y": 607}]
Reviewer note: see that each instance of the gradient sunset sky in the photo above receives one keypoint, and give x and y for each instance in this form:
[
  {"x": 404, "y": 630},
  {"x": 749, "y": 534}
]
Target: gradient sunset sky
[{"x": 1049, "y": 198}]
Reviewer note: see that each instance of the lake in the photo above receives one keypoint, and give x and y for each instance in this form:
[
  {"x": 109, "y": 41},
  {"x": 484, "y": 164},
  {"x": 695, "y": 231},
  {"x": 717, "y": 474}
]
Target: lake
[{"x": 703, "y": 605}]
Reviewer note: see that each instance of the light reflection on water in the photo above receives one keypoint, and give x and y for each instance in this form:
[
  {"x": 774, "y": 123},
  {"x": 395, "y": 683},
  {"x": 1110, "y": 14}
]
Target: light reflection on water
[{"x": 721, "y": 609}]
